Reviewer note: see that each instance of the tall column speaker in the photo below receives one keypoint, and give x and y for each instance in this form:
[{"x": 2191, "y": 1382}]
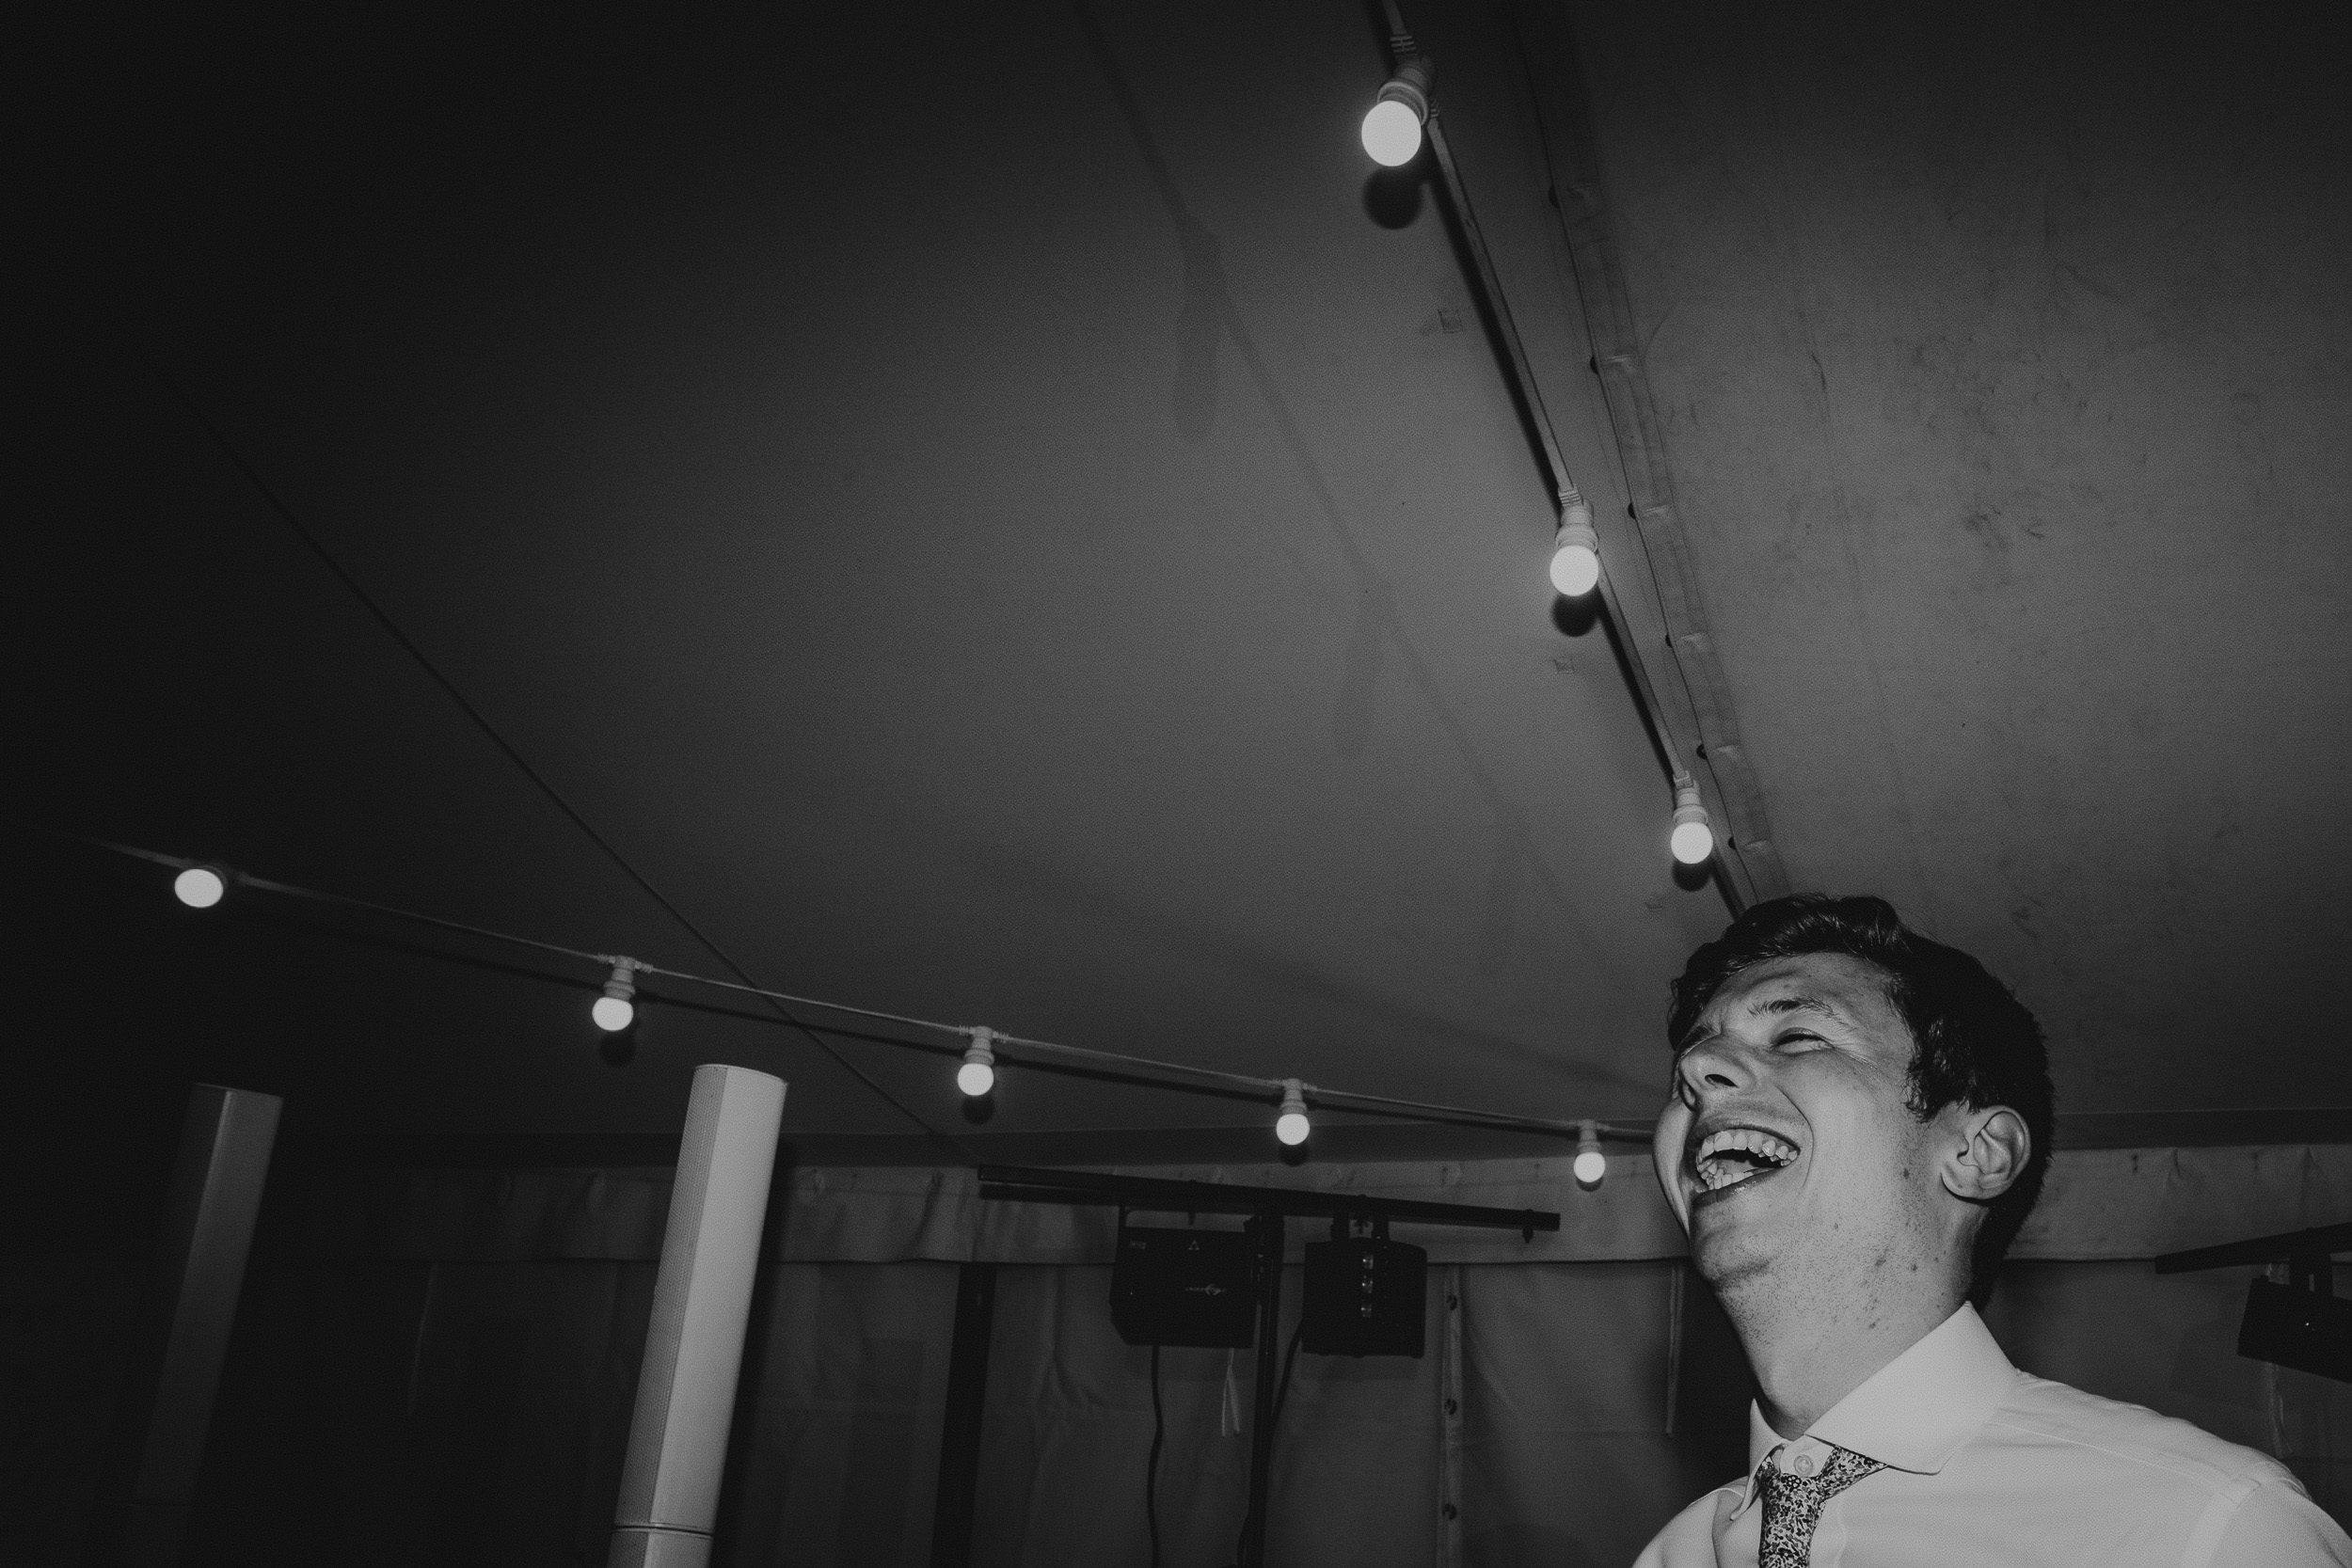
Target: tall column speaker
[
  {"x": 216, "y": 1195},
  {"x": 677, "y": 1440}
]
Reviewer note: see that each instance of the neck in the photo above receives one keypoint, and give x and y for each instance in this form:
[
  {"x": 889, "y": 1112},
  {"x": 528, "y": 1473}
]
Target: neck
[{"x": 1811, "y": 1346}]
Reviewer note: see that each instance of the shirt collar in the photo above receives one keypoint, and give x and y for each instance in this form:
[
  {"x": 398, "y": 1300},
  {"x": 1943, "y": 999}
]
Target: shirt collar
[{"x": 1914, "y": 1412}]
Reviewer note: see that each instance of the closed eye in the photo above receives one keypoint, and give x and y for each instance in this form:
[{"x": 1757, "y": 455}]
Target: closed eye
[{"x": 1799, "y": 1040}]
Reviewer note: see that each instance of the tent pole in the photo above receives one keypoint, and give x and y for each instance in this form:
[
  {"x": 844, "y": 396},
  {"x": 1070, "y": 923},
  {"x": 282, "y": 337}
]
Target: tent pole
[
  {"x": 959, "y": 1433},
  {"x": 702, "y": 1301},
  {"x": 216, "y": 1197}
]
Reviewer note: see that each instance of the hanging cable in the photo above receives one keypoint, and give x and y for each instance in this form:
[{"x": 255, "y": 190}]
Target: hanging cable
[
  {"x": 1152, "y": 1465},
  {"x": 1282, "y": 1396},
  {"x": 392, "y": 627}
]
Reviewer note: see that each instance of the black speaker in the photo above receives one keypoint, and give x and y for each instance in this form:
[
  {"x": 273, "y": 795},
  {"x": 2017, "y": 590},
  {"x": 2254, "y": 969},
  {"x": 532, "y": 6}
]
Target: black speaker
[
  {"x": 1364, "y": 1297},
  {"x": 2299, "y": 1327},
  {"x": 1186, "y": 1287}
]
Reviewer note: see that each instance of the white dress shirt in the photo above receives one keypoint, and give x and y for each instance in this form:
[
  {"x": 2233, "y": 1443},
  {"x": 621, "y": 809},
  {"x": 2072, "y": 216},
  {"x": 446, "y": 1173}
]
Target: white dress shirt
[{"x": 1987, "y": 1464}]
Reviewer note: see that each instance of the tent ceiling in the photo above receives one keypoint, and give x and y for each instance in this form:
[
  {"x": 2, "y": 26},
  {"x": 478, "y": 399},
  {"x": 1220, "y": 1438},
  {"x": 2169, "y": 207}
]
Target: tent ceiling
[{"x": 1002, "y": 518}]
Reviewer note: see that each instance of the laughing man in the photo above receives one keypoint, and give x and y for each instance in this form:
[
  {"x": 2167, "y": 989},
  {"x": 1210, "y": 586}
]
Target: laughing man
[{"x": 1858, "y": 1122}]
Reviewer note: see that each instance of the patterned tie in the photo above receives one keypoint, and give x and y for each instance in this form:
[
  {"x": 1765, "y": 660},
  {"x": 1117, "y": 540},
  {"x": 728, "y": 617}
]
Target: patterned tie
[{"x": 1792, "y": 1504}]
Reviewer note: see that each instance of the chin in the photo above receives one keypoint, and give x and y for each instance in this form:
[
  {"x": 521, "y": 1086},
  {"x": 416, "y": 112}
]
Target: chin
[{"x": 1726, "y": 1253}]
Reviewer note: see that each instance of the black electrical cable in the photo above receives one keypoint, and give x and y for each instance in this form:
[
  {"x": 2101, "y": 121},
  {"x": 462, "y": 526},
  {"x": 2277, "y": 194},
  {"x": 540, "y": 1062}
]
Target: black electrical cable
[
  {"x": 408, "y": 645},
  {"x": 1152, "y": 1465},
  {"x": 1289, "y": 1359}
]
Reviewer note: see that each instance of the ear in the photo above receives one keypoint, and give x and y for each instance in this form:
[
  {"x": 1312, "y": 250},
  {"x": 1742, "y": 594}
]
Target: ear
[{"x": 1991, "y": 1156}]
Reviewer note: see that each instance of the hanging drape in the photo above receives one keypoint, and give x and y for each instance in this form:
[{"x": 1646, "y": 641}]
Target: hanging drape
[
  {"x": 440, "y": 1370},
  {"x": 2097, "y": 1204}
]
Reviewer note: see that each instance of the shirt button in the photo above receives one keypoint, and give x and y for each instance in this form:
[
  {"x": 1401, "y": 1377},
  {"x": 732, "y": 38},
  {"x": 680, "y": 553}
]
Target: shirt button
[{"x": 1804, "y": 1464}]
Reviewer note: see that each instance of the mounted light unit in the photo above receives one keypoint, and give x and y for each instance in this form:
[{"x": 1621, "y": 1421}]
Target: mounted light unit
[
  {"x": 1693, "y": 840},
  {"x": 977, "y": 1076},
  {"x": 616, "y": 1010},
  {"x": 1292, "y": 1126},
  {"x": 1392, "y": 127}
]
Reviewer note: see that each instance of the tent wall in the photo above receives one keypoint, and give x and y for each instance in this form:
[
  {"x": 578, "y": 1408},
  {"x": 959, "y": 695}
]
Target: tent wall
[
  {"x": 438, "y": 1368},
  {"x": 365, "y": 1423}
]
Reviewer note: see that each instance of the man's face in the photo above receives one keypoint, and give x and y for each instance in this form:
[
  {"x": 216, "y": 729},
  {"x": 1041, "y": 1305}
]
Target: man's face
[{"x": 1787, "y": 1140}]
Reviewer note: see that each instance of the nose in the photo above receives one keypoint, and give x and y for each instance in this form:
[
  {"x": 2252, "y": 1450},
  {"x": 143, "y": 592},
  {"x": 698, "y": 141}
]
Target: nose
[{"x": 1711, "y": 1066}]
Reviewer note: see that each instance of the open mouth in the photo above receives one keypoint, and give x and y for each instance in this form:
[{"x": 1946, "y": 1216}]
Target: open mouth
[{"x": 1737, "y": 1154}]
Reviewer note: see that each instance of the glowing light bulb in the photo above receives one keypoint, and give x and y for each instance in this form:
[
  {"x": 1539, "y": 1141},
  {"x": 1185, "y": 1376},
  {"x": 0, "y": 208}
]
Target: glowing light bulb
[
  {"x": 616, "y": 1010},
  {"x": 1576, "y": 553},
  {"x": 1692, "y": 840},
  {"x": 1392, "y": 133},
  {"x": 977, "y": 1076},
  {"x": 1292, "y": 1126},
  {"x": 1392, "y": 129},
  {"x": 199, "y": 887},
  {"x": 1591, "y": 1166}
]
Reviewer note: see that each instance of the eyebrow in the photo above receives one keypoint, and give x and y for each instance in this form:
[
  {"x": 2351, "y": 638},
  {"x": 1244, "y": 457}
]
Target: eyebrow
[
  {"x": 1800, "y": 1005},
  {"x": 1777, "y": 1005}
]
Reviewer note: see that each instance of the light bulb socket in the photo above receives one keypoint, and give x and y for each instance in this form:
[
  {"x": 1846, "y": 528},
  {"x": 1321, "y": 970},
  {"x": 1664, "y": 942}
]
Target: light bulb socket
[
  {"x": 1574, "y": 535},
  {"x": 623, "y": 986},
  {"x": 1413, "y": 85},
  {"x": 1294, "y": 1098},
  {"x": 1687, "y": 807},
  {"x": 977, "y": 1053}
]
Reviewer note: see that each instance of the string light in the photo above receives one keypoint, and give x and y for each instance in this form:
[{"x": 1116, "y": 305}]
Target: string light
[
  {"x": 199, "y": 887},
  {"x": 616, "y": 1010},
  {"x": 1692, "y": 840},
  {"x": 1591, "y": 1166},
  {"x": 1292, "y": 1126},
  {"x": 1392, "y": 127},
  {"x": 1576, "y": 551},
  {"x": 977, "y": 1076}
]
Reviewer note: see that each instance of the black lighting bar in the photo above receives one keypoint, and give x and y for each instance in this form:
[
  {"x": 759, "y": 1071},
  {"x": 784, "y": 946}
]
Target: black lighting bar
[
  {"x": 1019, "y": 1183},
  {"x": 2292, "y": 1245}
]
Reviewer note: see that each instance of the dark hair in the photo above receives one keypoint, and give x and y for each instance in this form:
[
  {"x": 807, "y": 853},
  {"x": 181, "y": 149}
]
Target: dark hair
[{"x": 1973, "y": 1044}]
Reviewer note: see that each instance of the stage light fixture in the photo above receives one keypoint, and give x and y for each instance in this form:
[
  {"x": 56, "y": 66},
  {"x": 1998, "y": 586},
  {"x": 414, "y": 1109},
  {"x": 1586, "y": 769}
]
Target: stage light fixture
[
  {"x": 199, "y": 887},
  {"x": 1392, "y": 127},
  {"x": 1692, "y": 840},
  {"x": 1366, "y": 1295},
  {"x": 1591, "y": 1166},
  {"x": 616, "y": 1010},
  {"x": 1292, "y": 1126},
  {"x": 977, "y": 1076},
  {"x": 1576, "y": 552},
  {"x": 1196, "y": 1288}
]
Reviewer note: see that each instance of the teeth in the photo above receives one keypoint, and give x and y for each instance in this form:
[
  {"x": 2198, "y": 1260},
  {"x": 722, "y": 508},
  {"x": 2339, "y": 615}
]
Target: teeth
[{"x": 1716, "y": 1174}]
